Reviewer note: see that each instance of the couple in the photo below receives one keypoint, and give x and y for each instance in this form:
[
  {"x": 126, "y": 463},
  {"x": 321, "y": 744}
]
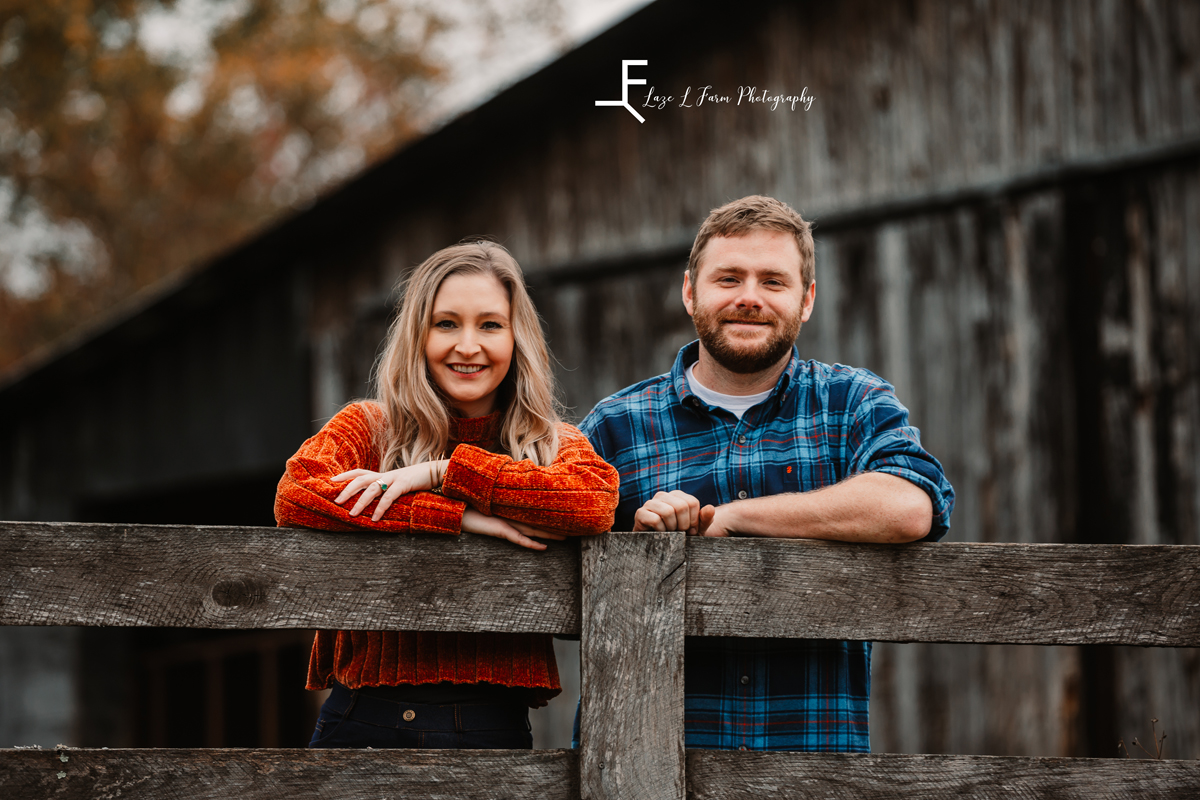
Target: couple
[{"x": 741, "y": 437}]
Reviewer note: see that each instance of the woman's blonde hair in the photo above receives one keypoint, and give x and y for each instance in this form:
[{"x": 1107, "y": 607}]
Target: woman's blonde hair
[{"x": 417, "y": 416}]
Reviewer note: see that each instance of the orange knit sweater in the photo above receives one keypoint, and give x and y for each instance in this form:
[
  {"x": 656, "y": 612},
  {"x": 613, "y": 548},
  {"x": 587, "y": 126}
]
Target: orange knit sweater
[{"x": 576, "y": 494}]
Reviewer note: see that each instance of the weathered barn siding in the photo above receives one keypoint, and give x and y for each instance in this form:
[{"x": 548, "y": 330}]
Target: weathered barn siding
[
  {"x": 1007, "y": 200},
  {"x": 1144, "y": 395},
  {"x": 189, "y": 419},
  {"x": 964, "y": 312},
  {"x": 912, "y": 99},
  {"x": 916, "y": 103},
  {"x": 195, "y": 403}
]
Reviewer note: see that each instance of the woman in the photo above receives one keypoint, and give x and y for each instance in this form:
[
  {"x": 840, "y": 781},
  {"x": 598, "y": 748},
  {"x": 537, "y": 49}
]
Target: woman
[{"x": 462, "y": 435}]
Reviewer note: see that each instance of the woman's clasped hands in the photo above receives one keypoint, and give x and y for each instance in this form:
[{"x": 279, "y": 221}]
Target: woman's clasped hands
[{"x": 423, "y": 477}]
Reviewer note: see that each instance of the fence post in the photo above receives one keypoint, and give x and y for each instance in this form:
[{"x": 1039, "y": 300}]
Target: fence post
[{"x": 631, "y": 659}]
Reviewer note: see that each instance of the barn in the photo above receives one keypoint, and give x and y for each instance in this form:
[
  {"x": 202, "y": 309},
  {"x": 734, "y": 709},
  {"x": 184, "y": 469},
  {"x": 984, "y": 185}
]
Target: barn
[{"x": 1007, "y": 208}]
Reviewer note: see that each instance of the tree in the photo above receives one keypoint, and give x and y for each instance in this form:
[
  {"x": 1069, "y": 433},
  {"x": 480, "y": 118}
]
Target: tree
[{"x": 137, "y": 161}]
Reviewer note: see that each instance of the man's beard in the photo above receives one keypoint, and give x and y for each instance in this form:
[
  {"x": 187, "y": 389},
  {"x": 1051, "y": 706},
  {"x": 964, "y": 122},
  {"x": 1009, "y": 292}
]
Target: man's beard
[{"x": 744, "y": 358}]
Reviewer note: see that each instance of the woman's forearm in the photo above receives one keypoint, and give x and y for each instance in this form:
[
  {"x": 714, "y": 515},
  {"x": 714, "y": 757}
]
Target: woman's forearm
[{"x": 577, "y": 493}]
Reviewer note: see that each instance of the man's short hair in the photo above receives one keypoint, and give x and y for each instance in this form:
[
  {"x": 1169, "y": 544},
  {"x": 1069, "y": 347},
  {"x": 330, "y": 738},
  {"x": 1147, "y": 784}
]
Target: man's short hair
[{"x": 756, "y": 213}]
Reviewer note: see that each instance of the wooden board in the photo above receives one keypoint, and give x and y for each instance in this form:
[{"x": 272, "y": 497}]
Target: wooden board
[
  {"x": 116, "y": 575},
  {"x": 292, "y": 773},
  {"x": 553, "y": 775},
  {"x": 210, "y": 577},
  {"x": 833, "y": 776},
  {"x": 631, "y": 652},
  {"x": 945, "y": 592}
]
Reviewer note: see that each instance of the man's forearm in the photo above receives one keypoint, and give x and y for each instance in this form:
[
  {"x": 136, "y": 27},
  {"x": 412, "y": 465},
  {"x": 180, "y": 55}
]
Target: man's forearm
[{"x": 870, "y": 507}]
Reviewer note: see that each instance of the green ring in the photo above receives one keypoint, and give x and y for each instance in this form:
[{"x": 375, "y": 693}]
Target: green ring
[{"x": 383, "y": 486}]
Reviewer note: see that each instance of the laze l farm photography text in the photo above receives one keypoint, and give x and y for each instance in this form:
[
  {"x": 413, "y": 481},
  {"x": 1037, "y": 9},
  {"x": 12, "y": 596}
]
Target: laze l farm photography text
[{"x": 696, "y": 97}]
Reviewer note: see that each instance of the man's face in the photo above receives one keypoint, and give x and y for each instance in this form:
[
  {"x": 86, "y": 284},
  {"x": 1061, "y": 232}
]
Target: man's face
[{"x": 749, "y": 301}]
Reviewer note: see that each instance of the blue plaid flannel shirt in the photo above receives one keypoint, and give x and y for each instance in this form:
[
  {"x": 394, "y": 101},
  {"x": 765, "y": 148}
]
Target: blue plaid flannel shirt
[{"x": 821, "y": 424}]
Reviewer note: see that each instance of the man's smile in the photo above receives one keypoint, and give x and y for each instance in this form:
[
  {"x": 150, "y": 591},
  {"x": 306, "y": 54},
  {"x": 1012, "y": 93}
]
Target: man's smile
[{"x": 747, "y": 324}]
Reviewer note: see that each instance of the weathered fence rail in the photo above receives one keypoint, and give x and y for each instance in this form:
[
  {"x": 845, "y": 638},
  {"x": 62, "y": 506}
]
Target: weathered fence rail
[{"x": 632, "y": 598}]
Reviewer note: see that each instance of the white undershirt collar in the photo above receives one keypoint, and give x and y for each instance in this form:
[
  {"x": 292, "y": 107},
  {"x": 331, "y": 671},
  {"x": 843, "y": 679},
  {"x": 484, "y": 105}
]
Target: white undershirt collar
[{"x": 736, "y": 404}]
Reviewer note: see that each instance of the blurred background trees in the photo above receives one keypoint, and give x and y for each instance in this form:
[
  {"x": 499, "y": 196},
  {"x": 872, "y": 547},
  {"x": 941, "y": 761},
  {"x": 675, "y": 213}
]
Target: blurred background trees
[{"x": 139, "y": 138}]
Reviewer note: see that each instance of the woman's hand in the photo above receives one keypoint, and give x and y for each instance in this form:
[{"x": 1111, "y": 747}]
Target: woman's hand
[
  {"x": 415, "y": 478},
  {"x": 516, "y": 532}
]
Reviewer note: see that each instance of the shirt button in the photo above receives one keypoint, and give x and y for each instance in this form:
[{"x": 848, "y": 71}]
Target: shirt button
[
  {"x": 741, "y": 747},
  {"x": 741, "y": 440},
  {"x": 745, "y": 680},
  {"x": 742, "y": 495},
  {"x": 410, "y": 715}
]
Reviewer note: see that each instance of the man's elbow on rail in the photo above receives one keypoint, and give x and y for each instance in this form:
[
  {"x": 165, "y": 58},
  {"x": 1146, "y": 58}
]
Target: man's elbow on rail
[{"x": 912, "y": 515}]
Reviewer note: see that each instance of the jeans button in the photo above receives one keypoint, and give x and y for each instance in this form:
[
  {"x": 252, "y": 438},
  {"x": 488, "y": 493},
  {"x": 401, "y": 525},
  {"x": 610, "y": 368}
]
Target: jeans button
[{"x": 410, "y": 715}]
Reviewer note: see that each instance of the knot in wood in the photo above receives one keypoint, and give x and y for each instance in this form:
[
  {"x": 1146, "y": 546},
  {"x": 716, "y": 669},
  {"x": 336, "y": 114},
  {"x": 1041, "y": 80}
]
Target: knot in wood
[{"x": 238, "y": 592}]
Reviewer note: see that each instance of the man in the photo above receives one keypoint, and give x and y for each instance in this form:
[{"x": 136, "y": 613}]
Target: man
[{"x": 742, "y": 437}]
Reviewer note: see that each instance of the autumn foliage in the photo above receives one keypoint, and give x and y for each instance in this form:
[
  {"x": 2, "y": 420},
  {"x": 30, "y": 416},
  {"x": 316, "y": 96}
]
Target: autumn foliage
[{"x": 160, "y": 162}]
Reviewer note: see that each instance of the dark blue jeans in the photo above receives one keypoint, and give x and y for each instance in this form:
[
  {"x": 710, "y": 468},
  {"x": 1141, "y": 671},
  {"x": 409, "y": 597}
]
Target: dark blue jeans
[{"x": 350, "y": 718}]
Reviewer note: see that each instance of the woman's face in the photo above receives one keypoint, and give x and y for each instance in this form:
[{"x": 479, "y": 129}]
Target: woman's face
[{"x": 470, "y": 343}]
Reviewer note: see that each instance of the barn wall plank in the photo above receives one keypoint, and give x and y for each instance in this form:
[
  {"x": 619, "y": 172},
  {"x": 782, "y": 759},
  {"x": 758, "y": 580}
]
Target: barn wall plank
[{"x": 1161, "y": 387}]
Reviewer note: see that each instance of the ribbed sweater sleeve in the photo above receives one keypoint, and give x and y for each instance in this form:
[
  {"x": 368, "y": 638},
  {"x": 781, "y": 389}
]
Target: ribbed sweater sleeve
[
  {"x": 306, "y": 493},
  {"x": 576, "y": 494}
]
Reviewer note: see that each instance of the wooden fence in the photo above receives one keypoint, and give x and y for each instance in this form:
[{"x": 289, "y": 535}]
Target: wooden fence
[{"x": 632, "y": 598}]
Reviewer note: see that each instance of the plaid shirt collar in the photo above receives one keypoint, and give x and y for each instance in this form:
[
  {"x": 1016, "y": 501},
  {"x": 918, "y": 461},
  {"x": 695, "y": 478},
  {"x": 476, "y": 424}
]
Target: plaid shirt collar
[{"x": 690, "y": 354}]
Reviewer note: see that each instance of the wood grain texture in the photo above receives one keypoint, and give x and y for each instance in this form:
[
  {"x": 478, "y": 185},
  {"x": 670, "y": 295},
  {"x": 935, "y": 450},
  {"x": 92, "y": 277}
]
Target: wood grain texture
[
  {"x": 833, "y": 776},
  {"x": 254, "y": 774},
  {"x": 214, "y": 577},
  {"x": 207, "y": 577},
  {"x": 631, "y": 652},
  {"x": 945, "y": 592},
  {"x": 1145, "y": 398}
]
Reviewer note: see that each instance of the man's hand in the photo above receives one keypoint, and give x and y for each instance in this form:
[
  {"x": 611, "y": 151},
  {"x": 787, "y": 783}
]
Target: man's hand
[
  {"x": 711, "y": 522},
  {"x": 674, "y": 511}
]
